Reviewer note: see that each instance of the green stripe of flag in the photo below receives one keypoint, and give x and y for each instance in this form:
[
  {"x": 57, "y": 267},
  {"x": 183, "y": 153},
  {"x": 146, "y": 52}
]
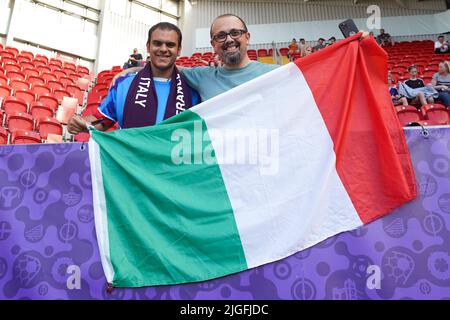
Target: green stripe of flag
[{"x": 177, "y": 219}]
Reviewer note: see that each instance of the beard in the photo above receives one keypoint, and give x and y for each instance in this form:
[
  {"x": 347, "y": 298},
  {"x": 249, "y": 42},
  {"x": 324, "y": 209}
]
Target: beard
[{"x": 231, "y": 58}]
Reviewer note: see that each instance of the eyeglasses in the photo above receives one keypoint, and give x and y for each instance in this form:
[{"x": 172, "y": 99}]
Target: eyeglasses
[{"x": 234, "y": 34}]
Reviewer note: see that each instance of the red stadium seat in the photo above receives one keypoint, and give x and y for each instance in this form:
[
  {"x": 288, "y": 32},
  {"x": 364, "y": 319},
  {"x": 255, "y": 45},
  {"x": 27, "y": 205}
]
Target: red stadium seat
[
  {"x": 435, "y": 113},
  {"x": 262, "y": 53},
  {"x": 60, "y": 94},
  {"x": 44, "y": 69},
  {"x": 76, "y": 92},
  {"x": 19, "y": 85},
  {"x": 12, "y": 67},
  {"x": 69, "y": 65},
  {"x": 6, "y": 54},
  {"x": 40, "y": 57},
  {"x": 49, "y": 125},
  {"x": 30, "y": 72},
  {"x": 66, "y": 81},
  {"x": 13, "y": 50},
  {"x": 3, "y": 80},
  {"x": 39, "y": 110},
  {"x": 60, "y": 73},
  {"x": 5, "y": 91},
  {"x": 11, "y": 104},
  {"x": 25, "y": 137},
  {"x": 49, "y": 100},
  {"x": 408, "y": 114},
  {"x": 40, "y": 89},
  {"x": 3, "y": 136},
  {"x": 15, "y": 75},
  {"x": 54, "y": 85},
  {"x": 26, "y": 95},
  {"x": 33, "y": 80},
  {"x": 48, "y": 76},
  {"x": 56, "y": 62},
  {"x": 28, "y": 54},
  {"x": 38, "y": 63},
  {"x": 21, "y": 58},
  {"x": 83, "y": 69},
  {"x": 283, "y": 51},
  {"x": 20, "y": 121},
  {"x": 9, "y": 60}
]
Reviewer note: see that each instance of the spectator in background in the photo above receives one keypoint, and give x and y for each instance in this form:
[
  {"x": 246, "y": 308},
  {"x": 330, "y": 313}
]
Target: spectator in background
[
  {"x": 134, "y": 60},
  {"x": 416, "y": 96},
  {"x": 441, "y": 82},
  {"x": 307, "y": 50},
  {"x": 320, "y": 45},
  {"x": 293, "y": 49},
  {"x": 331, "y": 41},
  {"x": 301, "y": 44},
  {"x": 397, "y": 99},
  {"x": 441, "y": 46},
  {"x": 384, "y": 38}
]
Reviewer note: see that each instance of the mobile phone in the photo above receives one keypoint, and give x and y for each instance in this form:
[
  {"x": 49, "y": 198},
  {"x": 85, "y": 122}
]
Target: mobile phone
[{"x": 348, "y": 28}]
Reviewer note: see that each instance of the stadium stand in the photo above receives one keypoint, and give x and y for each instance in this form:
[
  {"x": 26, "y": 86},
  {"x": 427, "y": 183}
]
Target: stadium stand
[{"x": 33, "y": 88}]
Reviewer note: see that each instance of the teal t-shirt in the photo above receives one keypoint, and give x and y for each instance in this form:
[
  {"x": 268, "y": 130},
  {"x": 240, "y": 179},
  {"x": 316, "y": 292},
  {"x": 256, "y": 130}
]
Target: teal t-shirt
[{"x": 210, "y": 82}]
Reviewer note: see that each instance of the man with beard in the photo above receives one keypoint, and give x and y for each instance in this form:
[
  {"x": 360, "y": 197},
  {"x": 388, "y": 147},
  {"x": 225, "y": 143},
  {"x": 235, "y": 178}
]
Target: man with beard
[{"x": 158, "y": 91}]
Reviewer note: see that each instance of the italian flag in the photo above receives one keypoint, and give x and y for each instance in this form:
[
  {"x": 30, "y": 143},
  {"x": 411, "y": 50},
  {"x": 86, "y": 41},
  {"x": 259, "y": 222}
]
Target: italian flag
[{"x": 253, "y": 175}]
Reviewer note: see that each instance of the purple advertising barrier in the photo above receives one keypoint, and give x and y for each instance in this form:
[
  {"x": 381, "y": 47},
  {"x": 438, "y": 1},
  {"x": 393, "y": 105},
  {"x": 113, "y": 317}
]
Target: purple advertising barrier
[{"x": 48, "y": 248}]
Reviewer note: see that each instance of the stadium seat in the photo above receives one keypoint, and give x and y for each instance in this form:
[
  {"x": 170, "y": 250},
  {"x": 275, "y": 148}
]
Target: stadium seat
[
  {"x": 5, "y": 91},
  {"x": 40, "y": 110},
  {"x": 82, "y": 69},
  {"x": 55, "y": 62},
  {"x": 3, "y": 136},
  {"x": 12, "y": 67},
  {"x": 40, "y": 89},
  {"x": 6, "y": 54},
  {"x": 15, "y": 75},
  {"x": 66, "y": 81},
  {"x": 33, "y": 80},
  {"x": 59, "y": 73},
  {"x": 20, "y": 121},
  {"x": 19, "y": 85},
  {"x": 48, "y": 125},
  {"x": 408, "y": 114},
  {"x": 26, "y": 95},
  {"x": 28, "y": 54},
  {"x": 38, "y": 63},
  {"x": 435, "y": 113},
  {"x": 44, "y": 69},
  {"x": 3, "y": 80},
  {"x": 13, "y": 50},
  {"x": 30, "y": 72},
  {"x": 48, "y": 76},
  {"x": 9, "y": 60},
  {"x": 60, "y": 94},
  {"x": 55, "y": 85},
  {"x": 283, "y": 51},
  {"x": 49, "y": 100},
  {"x": 25, "y": 137},
  {"x": 40, "y": 57},
  {"x": 11, "y": 104},
  {"x": 21, "y": 58},
  {"x": 262, "y": 53},
  {"x": 76, "y": 92}
]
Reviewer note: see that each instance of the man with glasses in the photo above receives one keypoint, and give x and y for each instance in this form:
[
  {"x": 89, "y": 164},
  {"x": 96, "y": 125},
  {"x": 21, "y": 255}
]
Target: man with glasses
[{"x": 229, "y": 38}]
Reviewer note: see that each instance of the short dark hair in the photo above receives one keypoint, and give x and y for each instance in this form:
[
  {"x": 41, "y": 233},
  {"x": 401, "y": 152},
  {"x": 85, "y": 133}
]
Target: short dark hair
[
  {"x": 413, "y": 66},
  {"x": 165, "y": 26},
  {"x": 302, "y": 39},
  {"x": 441, "y": 36},
  {"x": 321, "y": 39},
  {"x": 224, "y": 16}
]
